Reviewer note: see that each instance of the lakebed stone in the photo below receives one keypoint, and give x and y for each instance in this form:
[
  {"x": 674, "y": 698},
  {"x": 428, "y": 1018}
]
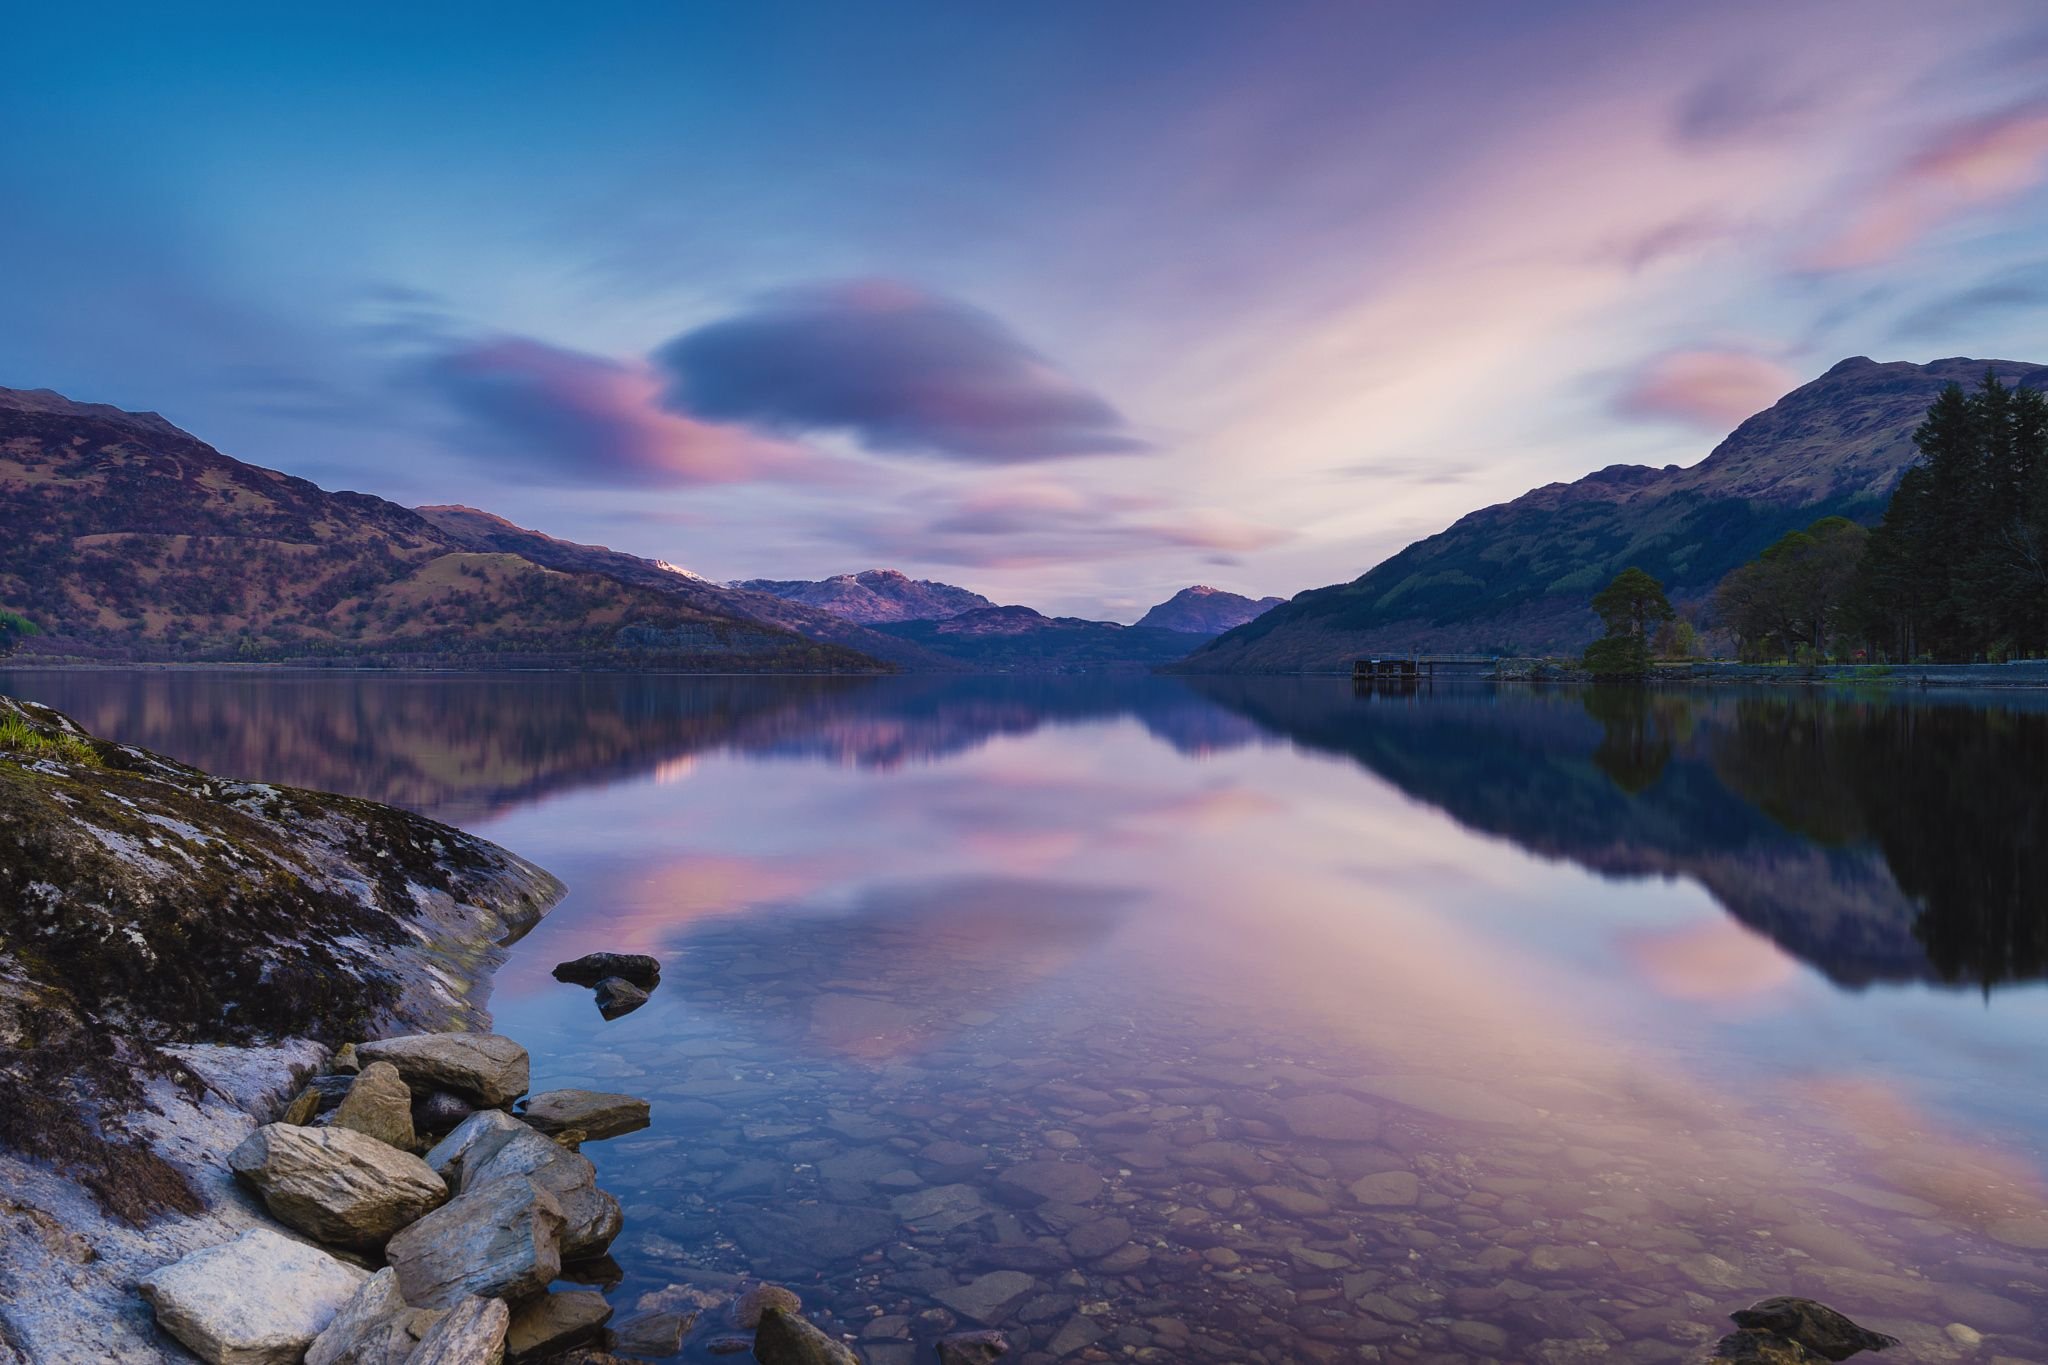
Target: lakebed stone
[
  {"x": 596, "y": 1114},
  {"x": 258, "y": 1300},
  {"x": 787, "y": 1339},
  {"x": 1054, "y": 1182},
  {"x": 488, "y": 1068},
  {"x": 336, "y": 1184},
  {"x": 502, "y": 1239},
  {"x": 750, "y": 1303},
  {"x": 973, "y": 1348},
  {"x": 987, "y": 1298}
]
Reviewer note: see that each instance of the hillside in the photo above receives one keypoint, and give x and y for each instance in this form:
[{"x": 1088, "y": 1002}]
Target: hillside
[
  {"x": 1202, "y": 610},
  {"x": 873, "y": 597},
  {"x": 1515, "y": 577},
  {"x": 1018, "y": 639},
  {"x": 483, "y": 531},
  {"x": 129, "y": 539}
]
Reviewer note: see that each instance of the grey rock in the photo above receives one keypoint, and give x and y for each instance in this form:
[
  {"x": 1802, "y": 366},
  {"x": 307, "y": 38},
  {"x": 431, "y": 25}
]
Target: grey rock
[
  {"x": 1330, "y": 1117},
  {"x": 638, "y": 968},
  {"x": 335, "y": 1184},
  {"x": 1092, "y": 1240},
  {"x": 787, "y": 1339},
  {"x": 486, "y": 1068},
  {"x": 973, "y": 1348},
  {"x": 376, "y": 1327},
  {"x": 485, "y": 1126},
  {"x": 593, "y": 1217},
  {"x": 502, "y": 1239},
  {"x": 439, "y": 1112},
  {"x": 258, "y": 1300},
  {"x": 378, "y": 1104},
  {"x": 595, "y": 1113},
  {"x": 1387, "y": 1189},
  {"x": 617, "y": 996},
  {"x": 553, "y": 1323},
  {"x": 1815, "y": 1326},
  {"x": 470, "y": 1333}
]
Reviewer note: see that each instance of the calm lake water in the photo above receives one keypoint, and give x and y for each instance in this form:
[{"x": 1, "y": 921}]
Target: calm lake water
[{"x": 1257, "y": 1019}]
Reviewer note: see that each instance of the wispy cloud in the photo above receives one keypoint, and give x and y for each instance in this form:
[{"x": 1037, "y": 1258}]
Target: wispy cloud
[
  {"x": 1710, "y": 389},
  {"x": 902, "y": 370},
  {"x": 1973, "y": 166}
]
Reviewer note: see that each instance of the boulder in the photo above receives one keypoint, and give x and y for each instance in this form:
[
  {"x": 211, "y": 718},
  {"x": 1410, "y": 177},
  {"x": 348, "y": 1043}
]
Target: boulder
[
  {"x": 376, "y": 1327},
  {"x": 302, "y": 1109},
  {"x": 553, "y": 1323},
  {"x": 637, "y": 968},
  {"x": 437, "y": 1113},
  {"x": 787, "y": 1339},
  {"x": 988, "y": 1298},
  {"x": 594, "y": 1113},
  {"x": 335, "y": 1184},
  {"x": 1815, "y": 1326},
  {"x": 379, "y": 1104},
  {"x": 750, "y": 1303},
  {"x": 490, "y": 1126},
  {"x": 502, "y": 1239},
  {"x": 470, "y": 1333},
  {"x": 973, "y": 1348},
  {"x": 592, "y": 1216},
  {"x": 258, "y": 1300},
  {"x": 655, "y": 1334},
  {"x": 1049, "y": 1182},
  {"x": 616, "y": 996},
  {"x": 487, "y": 1068}
]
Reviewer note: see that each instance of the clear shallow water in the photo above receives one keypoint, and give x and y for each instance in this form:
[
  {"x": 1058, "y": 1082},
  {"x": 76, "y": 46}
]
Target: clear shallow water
[{"x": 1481, "y": 1024}]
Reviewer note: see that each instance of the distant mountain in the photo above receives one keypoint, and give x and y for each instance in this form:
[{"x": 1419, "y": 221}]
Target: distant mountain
[
  {"x": 127, "y": 538},
  {"x": 873, "y": 597},
  {"x": 1204, "y": 610},
  {"x": 476, "y": 530},
  {"x": 1516, "y": 577},
  {"x": 1018, "y": 639}
]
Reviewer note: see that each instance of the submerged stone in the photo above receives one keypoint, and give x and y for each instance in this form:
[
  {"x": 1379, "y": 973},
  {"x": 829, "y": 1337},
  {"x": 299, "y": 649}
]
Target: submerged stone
[
  {"x": 786, "y": 1339},
  {"x": 1813, "y": 1325}
]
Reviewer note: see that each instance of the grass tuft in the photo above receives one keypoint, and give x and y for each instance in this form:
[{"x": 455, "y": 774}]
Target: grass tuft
[{"x": 19, "y": 739}]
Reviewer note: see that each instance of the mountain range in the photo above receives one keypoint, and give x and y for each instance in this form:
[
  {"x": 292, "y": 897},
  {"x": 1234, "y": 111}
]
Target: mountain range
[
  {"x": 1515, "y": 578},
  {"x": 131, "y": 539},
  {"x": 876, "y": 596},
  {"x": 1018, "y": 639}
]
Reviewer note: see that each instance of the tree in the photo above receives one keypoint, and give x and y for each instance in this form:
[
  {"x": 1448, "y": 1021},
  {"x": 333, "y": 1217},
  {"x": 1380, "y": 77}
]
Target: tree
[
  {"x": 1632, "y": 607},
  {"x": 1797, "y": 592},
  {"x": 14, "y": 628}
]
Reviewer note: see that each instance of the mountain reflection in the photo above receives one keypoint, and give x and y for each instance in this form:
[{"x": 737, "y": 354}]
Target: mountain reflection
[
  {"x": 1885, "y": 838},
  {"x": 1880, "y": 838}
]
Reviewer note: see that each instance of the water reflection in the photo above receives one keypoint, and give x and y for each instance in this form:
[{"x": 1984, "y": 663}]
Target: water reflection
[{"x": 1254, "y": 1019}]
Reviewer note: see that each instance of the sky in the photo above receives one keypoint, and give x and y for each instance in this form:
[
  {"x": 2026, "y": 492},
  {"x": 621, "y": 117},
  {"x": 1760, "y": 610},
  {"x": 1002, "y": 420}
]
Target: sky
[{"x": 1073, "y": 304}]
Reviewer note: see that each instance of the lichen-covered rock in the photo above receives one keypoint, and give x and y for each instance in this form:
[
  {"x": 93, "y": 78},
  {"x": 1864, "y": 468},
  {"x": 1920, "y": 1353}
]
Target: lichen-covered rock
[
  {"x": 595, "y": 1113},
  {"x": 502, "y": 1239},
  {"x": 488, "y": 1068},
  {"x": 379, "y": 1104},
  {"x": 552, "y": 1323},
  {"x": 335, "y": 1184},
  {"x": 470, "y": 1333},
  {"x": 258, "y": 1300},
  {"x": 638, "y": 968},
  {"x": 787, "y": 1339},
  {"x": 375, "y": 1327}
]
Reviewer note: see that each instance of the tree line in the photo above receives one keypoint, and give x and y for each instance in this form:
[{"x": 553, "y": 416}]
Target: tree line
[{"x": 1957, "y": 570}]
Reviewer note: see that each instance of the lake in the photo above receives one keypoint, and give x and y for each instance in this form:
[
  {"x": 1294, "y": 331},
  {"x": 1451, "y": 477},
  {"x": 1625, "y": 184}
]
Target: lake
[{"x": 1256, "y": 1019}]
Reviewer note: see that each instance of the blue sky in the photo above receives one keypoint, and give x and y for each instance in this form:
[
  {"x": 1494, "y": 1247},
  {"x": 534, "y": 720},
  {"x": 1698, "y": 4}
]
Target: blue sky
[{"x": 1072, "y": 303}]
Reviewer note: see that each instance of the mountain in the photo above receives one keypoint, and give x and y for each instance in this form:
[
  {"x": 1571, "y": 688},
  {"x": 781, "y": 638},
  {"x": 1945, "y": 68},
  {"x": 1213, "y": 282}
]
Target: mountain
[
  {"x": 1515, "y": 578},
  {"x": 1202, "y": 610},
  {"x": 483, "y": 531},
  {"x": 128, "y": 538},
  {"x": 1018, "y": 639},
  {"x": 873, "y": 597}
]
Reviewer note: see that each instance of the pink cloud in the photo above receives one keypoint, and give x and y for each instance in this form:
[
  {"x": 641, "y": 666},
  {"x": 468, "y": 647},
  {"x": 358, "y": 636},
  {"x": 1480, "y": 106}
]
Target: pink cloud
[
  {"x": 569, "y": 417},
  {"x": 1712, "y": 389},
  {"x": 1973, "y": 166}
]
